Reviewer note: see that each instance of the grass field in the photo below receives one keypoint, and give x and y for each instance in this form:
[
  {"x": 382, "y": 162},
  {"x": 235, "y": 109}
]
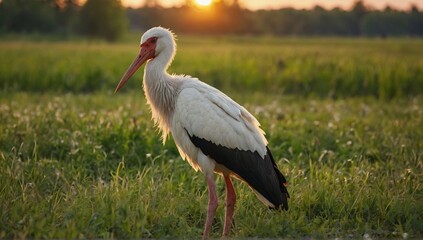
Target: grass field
[
  {"x": 343, "y": 117},
  {"x": 335, "y": 68}
]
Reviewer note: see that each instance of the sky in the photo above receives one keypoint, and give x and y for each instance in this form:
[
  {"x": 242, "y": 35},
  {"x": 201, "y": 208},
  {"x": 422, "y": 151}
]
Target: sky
[{"x": 275, "y": 4}]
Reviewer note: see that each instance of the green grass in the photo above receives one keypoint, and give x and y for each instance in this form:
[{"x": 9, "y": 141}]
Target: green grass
[
  {"x": 334, "y": 68},
  {"x": 343, "y": 118},
  {"x": 93, "y": 166}
]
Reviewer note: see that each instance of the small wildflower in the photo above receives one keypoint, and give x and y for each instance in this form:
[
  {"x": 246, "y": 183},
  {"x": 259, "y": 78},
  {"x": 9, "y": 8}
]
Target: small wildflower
[{"x": 367, "y": 236}]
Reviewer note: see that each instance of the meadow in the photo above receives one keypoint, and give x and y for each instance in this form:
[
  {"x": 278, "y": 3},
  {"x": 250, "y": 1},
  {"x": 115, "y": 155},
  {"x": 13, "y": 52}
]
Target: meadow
[{"x": 343, "y": 118}]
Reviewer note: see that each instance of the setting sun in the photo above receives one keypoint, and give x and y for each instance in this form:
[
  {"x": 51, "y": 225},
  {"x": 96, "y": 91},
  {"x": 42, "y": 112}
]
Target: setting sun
[{"x": 203, "y": 2}]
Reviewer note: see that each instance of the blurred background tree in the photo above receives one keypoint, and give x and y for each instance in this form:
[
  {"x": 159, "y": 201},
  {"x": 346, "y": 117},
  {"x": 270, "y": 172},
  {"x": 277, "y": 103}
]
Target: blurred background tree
[
  {"x": 103, "y": 19},
  {"x": 28, "y": 16},
  {"x": 109, "y": 20}
]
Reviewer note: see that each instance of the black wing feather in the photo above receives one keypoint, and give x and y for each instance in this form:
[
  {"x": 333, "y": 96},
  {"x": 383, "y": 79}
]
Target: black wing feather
[{"x": 261, "y": 174}]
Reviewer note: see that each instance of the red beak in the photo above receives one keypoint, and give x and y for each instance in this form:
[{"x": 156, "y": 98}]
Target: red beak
[{"x": 147, "y": 52}]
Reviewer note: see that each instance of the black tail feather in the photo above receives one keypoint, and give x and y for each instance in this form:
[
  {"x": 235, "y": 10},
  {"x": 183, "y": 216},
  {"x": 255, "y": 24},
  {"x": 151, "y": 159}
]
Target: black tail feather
[
  {"x": 282, "y": 180},
  {"x": 261, "y": 174}
]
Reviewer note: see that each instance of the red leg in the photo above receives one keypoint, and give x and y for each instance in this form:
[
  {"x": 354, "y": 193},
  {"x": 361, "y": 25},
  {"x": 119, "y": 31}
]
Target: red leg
[
  {"x": 230, "y": 205},
  {"x": 211, "y": 209}
]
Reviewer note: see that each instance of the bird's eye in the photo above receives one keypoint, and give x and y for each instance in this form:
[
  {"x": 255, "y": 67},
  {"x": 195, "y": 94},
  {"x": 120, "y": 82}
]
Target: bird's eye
[{"x": 153, "y": 40}]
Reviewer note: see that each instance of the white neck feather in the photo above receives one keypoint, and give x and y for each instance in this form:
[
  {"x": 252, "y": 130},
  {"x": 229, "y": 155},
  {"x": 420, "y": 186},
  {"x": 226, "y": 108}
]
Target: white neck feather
[{"x": 161, "y": 90}]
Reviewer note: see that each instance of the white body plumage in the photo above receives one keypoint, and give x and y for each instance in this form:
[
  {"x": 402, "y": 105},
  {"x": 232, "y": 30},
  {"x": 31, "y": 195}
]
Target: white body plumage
[{"x": 181, "y": 103}]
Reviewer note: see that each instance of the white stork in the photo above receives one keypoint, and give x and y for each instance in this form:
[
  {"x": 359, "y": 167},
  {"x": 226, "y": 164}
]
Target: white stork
[{"x": 211, "y": 131}]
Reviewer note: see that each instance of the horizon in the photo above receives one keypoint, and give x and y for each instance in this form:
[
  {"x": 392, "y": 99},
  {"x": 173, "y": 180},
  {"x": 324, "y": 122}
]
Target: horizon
[{"x": 305, "y": 4}]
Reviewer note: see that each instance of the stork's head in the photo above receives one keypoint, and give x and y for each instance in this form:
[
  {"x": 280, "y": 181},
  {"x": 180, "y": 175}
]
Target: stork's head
[{"x": 156, "y": 43}]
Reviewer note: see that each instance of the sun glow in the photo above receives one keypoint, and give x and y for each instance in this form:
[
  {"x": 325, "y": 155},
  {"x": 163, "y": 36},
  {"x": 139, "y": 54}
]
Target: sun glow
[{"x": 203, "y": 3}]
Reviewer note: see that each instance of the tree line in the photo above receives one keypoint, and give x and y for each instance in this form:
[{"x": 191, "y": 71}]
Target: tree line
[
  {"x": 108, "y": 19},
  {"x": 95, "y": 18}
]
